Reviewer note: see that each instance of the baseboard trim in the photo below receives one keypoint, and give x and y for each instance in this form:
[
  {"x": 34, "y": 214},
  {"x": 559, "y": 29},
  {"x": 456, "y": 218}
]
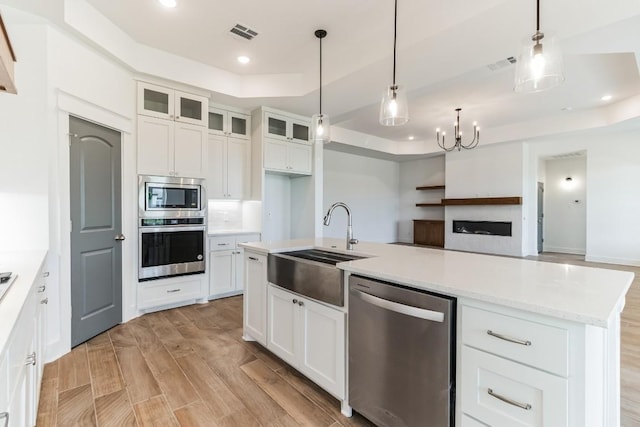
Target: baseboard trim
[
  {"x": 618, "y": 261},
  {"x": 572, "y": 251}
]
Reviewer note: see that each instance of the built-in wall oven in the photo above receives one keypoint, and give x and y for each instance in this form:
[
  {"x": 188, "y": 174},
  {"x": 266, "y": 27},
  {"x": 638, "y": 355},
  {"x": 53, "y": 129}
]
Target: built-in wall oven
[{"x": 171, "y": 227}]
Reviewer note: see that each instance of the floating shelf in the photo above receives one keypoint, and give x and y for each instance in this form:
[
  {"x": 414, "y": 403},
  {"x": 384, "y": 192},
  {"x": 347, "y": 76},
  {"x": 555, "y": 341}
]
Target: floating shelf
[
  {"x": 424, "y": 205},
  {"x": 483, "y": 201},
  {"x": 431, "y": 187}
]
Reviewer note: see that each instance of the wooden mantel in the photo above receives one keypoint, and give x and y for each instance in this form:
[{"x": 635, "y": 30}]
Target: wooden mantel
[{"x": 475, "y": 201}]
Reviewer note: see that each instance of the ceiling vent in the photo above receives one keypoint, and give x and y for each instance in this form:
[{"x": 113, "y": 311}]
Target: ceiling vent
[
  {"x": 243, "y": 32},
  {"x": 502, "y": 63},
  {"x": 569, "y": 155}
]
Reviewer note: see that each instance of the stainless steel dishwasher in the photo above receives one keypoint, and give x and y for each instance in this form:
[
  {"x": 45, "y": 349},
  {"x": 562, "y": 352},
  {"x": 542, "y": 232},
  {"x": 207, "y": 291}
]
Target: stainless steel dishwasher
[{"x": 401, "y": 354}]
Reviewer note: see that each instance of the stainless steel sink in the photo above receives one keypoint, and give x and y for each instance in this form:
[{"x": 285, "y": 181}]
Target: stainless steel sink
[{"x": 311, "y": 272}]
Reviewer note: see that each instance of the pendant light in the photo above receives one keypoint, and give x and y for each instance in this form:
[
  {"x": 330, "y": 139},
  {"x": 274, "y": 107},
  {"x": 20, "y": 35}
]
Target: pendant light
[
  {"x": 539, "y": 67},
  {"x": 394, "y": 110},
  {"x": 320, "y": 122}
]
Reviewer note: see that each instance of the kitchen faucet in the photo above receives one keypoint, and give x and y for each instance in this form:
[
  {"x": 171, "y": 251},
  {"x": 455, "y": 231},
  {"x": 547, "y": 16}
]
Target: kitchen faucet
[{"x": 327, "y": 219}]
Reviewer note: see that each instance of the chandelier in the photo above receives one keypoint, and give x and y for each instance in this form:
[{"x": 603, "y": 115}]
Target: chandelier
[{"x": 457, "y": 136}]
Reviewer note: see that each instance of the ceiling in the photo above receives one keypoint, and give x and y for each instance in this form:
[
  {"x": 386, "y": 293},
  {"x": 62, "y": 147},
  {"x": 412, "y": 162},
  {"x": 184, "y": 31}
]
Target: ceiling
[{"x": 445, "y": 48}]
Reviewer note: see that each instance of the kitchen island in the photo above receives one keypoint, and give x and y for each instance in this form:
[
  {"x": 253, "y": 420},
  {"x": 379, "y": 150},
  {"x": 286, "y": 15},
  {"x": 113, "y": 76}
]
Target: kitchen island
[{"x": 567, "y": 374}]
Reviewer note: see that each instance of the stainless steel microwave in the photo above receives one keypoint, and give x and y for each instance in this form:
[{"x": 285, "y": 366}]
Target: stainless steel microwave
[{"x": 164, "y": 196}]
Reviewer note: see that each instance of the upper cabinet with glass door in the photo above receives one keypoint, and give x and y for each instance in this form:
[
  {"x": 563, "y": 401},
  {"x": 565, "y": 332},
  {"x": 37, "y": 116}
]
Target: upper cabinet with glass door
[
  {"x": 229, "y": 123},
  {"x": 170, "y": 104},
  {"x": 285, "y": 128}
]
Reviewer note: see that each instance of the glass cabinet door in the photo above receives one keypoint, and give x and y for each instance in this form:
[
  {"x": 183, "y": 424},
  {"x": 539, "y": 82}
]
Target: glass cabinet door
[
  {"x": 217, "y": 120},
  {"x": 155, "y": 101},
  {"x": 239, "y": 125},
  {"x": 191, "y": 108},
  {"x": 276, "y": 126},
  {"x": 300, "y": 131}
]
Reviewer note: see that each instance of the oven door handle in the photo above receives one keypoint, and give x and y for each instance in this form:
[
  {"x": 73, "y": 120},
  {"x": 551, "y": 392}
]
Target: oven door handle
[{"x": 170, "y": 229}]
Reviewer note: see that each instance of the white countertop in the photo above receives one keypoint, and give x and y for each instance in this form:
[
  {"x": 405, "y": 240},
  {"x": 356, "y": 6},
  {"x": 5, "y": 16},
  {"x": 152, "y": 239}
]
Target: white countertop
[
  {"x": 25, "y": 265},
  {"x": 230, "y": 232},
  {"x": 581, "y": 294}
]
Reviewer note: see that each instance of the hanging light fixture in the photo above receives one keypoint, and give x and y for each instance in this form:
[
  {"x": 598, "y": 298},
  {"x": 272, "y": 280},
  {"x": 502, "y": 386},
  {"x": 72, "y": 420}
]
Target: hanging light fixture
[
  {"x": 320, "y": 122},
  {"x": 539, "y": 67},
  {"x": 457, "y": 136},
  {"x": 394, "y": 110}
]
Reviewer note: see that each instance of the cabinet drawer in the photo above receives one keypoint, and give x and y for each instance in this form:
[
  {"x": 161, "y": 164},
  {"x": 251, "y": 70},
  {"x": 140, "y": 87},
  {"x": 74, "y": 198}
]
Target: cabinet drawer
[
  {"x": 245, "y": 238},
  {"x": 153, "y": 296},
  {"x": 541, "y": 346},
  {"x": 489, "y": 382},
  {"x": 222, "y": 243},
  {"x": 467, "y": 421}
]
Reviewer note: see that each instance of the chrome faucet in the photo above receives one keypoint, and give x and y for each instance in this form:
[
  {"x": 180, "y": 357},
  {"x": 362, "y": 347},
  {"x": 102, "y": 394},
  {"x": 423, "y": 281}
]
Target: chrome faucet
[{"x": 327, "y": 219}]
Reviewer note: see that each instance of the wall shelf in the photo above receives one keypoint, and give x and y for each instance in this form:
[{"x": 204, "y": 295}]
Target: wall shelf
[
  {"x": 430, "y": 187},
  {"x": 476, "y": 201},
  {"x": 424, "y": 205}
]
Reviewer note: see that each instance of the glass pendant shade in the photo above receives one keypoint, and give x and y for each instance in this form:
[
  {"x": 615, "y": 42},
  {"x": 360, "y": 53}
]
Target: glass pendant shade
[
  {"x": 539, "y": 66},
  {"x": 320, "y": 126},
  {"x": 394, "y": 110}
]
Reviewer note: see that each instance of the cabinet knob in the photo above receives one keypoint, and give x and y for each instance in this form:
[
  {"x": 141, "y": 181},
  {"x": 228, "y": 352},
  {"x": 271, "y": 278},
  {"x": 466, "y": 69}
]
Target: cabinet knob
[
  {"x": 171, "y": 116},
  {"x": 300, "y": 303},
  {"x": 31, "y": 359},
  {"x": 41, "y": 289},
  {"x": 295, "y": 301},
  {"x": 177, "y": 117},
  {"x": 45, "y": 301}
]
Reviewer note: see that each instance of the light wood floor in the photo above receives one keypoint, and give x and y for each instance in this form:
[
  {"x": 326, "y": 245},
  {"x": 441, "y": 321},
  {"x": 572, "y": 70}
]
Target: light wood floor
[{"x": 190, "y": 367}]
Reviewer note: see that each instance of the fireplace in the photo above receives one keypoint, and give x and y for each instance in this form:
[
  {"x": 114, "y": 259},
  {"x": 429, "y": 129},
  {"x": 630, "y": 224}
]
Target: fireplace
[{"x": 487, "y": 228}]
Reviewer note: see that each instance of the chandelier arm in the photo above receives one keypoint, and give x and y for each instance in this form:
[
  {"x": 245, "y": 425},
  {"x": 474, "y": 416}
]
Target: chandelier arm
[{"x": 444, "y": 147}]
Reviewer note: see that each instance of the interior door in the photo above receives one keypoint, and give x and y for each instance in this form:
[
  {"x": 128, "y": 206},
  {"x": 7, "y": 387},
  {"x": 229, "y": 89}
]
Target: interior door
[
  {"x": 540, "y": 217},
  {"x": 96, "y": 223}
]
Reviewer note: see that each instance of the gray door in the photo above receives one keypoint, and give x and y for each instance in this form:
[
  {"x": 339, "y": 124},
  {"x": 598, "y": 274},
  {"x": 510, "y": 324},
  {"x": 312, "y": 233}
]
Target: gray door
[
  {"x": 96, "y": 253},
  {"x": 540, "y": 215}
]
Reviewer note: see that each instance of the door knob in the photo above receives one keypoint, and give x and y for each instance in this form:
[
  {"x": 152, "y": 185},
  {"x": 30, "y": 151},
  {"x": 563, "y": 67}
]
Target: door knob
[{"x": 119, "y": 237}]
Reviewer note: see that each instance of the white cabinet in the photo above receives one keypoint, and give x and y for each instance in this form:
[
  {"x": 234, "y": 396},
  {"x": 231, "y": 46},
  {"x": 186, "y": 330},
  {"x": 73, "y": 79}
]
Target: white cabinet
[
  {"x": 163, "y": 292},
  {"x": 515, "y": 369},
  {"x": 228, "y": 167},
  {"x": 22, "y": 357},
  {"x": 309, "y": 336},
  {"x": 255, "y": 297},
  {"x": 170, "y": 148},
  {"x": 285, "y": 128},
  {"x": 226, "y": 275},
  {"x": 170, "y": 104},
  {"x": 229, "y": 123},
  {"x": 289, "y": 157}
]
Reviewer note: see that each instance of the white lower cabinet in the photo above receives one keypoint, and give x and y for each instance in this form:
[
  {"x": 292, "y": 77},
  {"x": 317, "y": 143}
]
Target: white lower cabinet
[
  {"x": 309, "y": 336},
  {"x": 226, "y": 274},
  {"x": 22, "y": 361},
  {"x": 255, "y": 297},
  {"x": 162, "y": 292}
]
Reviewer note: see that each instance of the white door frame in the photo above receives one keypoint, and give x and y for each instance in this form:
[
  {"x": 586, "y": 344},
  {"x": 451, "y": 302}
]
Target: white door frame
[{"x": 60, "y": 239}]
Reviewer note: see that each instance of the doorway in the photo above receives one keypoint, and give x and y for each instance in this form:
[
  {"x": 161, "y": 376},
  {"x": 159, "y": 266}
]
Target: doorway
[{"x": 96, "y": 224}]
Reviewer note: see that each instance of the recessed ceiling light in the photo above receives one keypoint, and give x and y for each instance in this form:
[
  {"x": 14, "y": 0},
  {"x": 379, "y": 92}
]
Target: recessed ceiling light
[
  {"x": 411, "y": 138},
  {"x": 244, "y": 59},
  {"x": 567, "y": 108},
  {"x": 168, "y": 3},
  {"x": 606, "y": 98}
]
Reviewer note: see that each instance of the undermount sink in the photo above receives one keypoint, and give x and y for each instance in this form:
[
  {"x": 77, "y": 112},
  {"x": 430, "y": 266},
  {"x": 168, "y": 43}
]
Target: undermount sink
[{"x": 311, "y": 272}]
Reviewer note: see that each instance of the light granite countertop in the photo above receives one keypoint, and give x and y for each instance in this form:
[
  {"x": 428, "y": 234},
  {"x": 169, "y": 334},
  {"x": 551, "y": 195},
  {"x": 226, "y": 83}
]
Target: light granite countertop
[{"x": 581, "y": 294}]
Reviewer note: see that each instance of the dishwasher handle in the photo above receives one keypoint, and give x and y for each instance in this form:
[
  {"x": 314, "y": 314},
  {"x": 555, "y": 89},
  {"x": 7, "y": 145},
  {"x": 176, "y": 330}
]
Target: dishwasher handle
[{"x": 408, "y": 310}]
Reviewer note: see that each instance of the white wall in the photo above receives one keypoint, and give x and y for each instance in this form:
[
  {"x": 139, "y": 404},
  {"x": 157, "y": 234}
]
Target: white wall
[
  {"x": 565, "y": 206},
  {"x": 276, "y": 219},
  {"x": 613, "y": 200},
  {"x": 370, "y": 188},
  {"x": 414, "y": 174},
  {"x": 490, "y": 171}
]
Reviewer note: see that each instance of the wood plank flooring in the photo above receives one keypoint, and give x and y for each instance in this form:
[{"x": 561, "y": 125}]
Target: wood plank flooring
[
  {"x": 190, "y": 367},
  {"x": 183, "y": 367}
]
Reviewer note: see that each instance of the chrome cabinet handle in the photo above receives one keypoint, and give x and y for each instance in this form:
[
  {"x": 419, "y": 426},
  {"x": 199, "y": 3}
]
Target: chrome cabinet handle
[
  {"x": 42, "y": 288},
  {"x": 5, "y": 415},
  {"x": 407, "y": 310},
  {"x": 253, "y": 258},
  {"x": 119, "y": 237},
  {"x": 300, "y": 303},
  {"x": 173, "y": 290},
  {"x": 510, "y": 339},
  {"x": 31, "y": 359},
  {"x": 45, "y": 301},
  {"x": 45, "y": 274},
  {"x": 223, "y": 244},
  {"x": 524, "y": 406}
]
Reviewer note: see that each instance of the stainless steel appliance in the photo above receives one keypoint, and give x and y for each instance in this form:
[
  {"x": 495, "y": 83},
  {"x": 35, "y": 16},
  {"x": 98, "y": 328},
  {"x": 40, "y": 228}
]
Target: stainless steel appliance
[
  {"x": 164, "y": 196},
  {"x": 171, "y": 228},
  {"x": 401, "y": 354}
]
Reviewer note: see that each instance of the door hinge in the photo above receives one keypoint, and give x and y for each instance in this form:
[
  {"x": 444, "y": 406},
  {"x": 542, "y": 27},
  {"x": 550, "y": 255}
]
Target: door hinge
[{"x": 70, "y": 226}]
